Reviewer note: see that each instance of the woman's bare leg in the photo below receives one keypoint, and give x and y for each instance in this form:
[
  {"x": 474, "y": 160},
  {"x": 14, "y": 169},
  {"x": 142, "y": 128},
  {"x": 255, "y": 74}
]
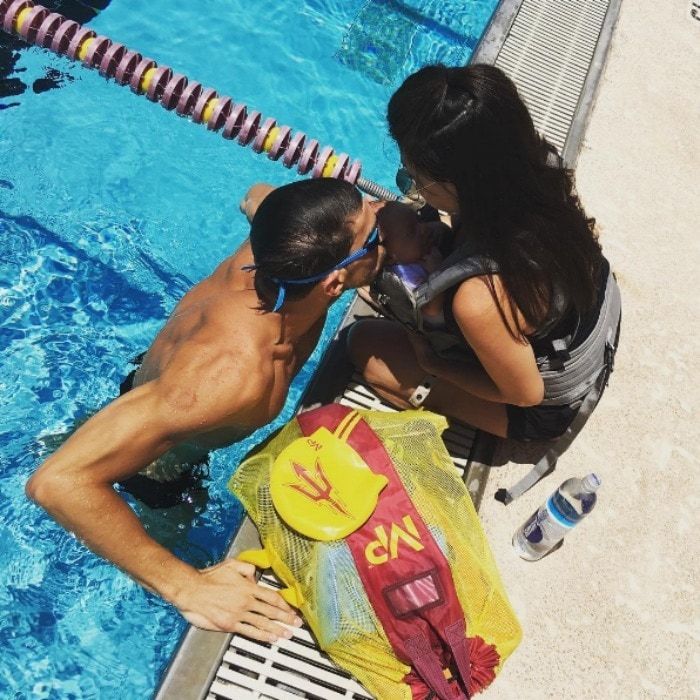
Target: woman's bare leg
[{"x": 381, "y": 350}]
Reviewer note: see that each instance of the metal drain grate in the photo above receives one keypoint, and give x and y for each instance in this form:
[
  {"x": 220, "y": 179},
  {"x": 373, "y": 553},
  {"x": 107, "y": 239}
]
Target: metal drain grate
[
  {"x": 694, "y": 10},
  {"x": 547, "y": 53},
  {"x": 288, "y": 670}
]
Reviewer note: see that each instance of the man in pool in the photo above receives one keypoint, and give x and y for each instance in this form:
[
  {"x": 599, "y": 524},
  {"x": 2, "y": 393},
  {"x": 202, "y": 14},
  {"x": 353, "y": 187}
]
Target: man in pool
[{"x": 220, "y": 368}]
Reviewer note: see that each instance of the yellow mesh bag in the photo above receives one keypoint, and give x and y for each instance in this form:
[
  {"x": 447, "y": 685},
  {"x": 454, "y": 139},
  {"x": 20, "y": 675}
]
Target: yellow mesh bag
[{"x": 322, "y": 576}]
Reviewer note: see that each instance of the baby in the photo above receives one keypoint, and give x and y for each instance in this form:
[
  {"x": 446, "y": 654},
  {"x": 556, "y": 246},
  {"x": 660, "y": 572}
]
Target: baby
[{"x": 412, "y": 251}]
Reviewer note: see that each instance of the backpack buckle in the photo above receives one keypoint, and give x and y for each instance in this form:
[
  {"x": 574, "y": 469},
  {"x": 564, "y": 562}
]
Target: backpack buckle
[{"x": 560, "y": 352}]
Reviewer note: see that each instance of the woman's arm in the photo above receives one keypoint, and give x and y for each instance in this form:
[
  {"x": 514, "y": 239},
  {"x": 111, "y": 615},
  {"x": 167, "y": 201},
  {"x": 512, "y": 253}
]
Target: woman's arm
[{"x": 510, "y": 374}]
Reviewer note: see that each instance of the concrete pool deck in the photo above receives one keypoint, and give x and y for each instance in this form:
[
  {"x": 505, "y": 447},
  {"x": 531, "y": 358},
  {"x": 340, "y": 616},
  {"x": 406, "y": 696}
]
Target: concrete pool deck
[{"x": 615, "y": 612}]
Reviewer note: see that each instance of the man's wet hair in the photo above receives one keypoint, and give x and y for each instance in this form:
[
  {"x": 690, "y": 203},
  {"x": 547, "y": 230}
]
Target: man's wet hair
[{"x": 300, "y": 230}]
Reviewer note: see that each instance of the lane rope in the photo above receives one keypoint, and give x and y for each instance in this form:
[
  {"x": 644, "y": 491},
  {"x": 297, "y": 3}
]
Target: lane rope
[{"x": 175, "y": 92}]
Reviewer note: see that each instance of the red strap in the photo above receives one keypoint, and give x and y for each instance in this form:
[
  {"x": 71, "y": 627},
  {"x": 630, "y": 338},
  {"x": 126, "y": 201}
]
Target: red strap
[
  {"x": 456, "y": 637},
  {"x": 427, "y": 664}
]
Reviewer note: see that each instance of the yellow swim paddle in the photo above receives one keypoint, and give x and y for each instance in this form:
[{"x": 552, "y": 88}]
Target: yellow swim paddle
[{"x": 321, "y": 487}]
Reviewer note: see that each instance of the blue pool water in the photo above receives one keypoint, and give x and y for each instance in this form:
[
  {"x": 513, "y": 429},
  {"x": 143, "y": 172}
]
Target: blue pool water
[{"x": 110, "y": 209}]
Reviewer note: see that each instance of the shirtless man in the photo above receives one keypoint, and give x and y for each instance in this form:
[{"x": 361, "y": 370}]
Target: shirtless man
[{"x": 220, "y": 368}]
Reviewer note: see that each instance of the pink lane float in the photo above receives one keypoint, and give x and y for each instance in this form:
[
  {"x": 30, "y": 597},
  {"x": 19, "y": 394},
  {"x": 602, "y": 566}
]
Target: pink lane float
[{"x": 50, "y": 30}]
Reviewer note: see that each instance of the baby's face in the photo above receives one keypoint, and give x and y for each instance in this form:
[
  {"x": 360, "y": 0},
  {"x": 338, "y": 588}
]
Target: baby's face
[
  {"x": 401, "y": 234},
  {"x": 404, "y": 248}
]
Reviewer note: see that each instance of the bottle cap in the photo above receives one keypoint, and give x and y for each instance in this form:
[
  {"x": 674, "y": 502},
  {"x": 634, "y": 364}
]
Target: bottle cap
[{"x": 591, "y": 482}]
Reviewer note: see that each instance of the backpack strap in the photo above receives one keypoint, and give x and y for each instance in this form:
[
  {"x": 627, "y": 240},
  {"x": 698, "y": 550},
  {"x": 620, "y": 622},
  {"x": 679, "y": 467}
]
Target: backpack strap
[
  {"x": 395, "y": 299},
  {"x": 570, "y": 374},
  {"x": 456, "y": 268},
  {"x": 428, "y": 666},
  {"x": 475, "y": 662},
  {"x": 547, "y": 464},
  {"x": 456, "y": 637}
]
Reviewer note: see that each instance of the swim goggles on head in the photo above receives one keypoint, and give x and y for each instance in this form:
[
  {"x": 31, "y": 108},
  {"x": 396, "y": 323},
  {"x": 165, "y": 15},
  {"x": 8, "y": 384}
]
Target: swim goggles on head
[{"x": 371, "y": 242}]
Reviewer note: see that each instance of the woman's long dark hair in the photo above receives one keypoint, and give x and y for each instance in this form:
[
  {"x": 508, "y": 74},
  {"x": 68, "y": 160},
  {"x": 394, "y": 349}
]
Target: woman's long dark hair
[{"x": 468, "y": 126}]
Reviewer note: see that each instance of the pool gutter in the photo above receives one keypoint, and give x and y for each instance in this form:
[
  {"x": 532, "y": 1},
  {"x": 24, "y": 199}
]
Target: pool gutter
[
  {"x": 555, "y": 52},
  {"x": 195, "y": 662},
  {"x": 491, "y": 42},
  {"x": 590, "y": 87}
]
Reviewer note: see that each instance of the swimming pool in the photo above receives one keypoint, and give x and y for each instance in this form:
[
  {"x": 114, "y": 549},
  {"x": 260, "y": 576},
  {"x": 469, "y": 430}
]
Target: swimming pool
[{"x": 110, "y": 209}]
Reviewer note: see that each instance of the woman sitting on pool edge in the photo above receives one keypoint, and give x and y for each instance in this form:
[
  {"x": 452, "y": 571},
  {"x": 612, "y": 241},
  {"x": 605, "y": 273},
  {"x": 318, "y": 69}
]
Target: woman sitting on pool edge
[{"x": 525, "y": 275}]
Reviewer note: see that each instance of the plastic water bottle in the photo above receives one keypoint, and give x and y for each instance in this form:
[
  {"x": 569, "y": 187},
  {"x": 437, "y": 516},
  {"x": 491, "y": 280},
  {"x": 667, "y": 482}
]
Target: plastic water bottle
[{"x": 564, "y": 509}]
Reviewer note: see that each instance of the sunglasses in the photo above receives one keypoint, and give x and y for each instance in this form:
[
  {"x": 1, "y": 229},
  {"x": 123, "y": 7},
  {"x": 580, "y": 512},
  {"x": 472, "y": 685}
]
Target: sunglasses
[
  {"x": 371, "y": 242},
  {"x": 407, "y": 184}
]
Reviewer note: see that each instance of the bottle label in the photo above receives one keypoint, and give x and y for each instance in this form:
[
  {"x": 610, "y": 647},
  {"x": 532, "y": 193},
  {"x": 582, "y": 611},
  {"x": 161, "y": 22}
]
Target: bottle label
[
  {"x": 533, "y": 527},
  {"x": 556, "y": 515},
  {"x": 543, "y": 529}
]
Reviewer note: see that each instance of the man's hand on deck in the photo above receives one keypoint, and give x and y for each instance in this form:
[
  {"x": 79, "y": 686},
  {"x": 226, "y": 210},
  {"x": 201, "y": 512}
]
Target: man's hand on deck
[{"x": 227, "y": 598}]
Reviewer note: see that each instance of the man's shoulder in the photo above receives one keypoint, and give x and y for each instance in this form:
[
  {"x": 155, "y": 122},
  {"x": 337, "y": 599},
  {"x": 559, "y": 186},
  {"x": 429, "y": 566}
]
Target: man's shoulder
[{"x": 219, "y": 378}]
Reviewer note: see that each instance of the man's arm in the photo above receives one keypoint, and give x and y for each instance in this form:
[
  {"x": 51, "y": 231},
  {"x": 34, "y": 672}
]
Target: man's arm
[{"x": 75, "y": 485}]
